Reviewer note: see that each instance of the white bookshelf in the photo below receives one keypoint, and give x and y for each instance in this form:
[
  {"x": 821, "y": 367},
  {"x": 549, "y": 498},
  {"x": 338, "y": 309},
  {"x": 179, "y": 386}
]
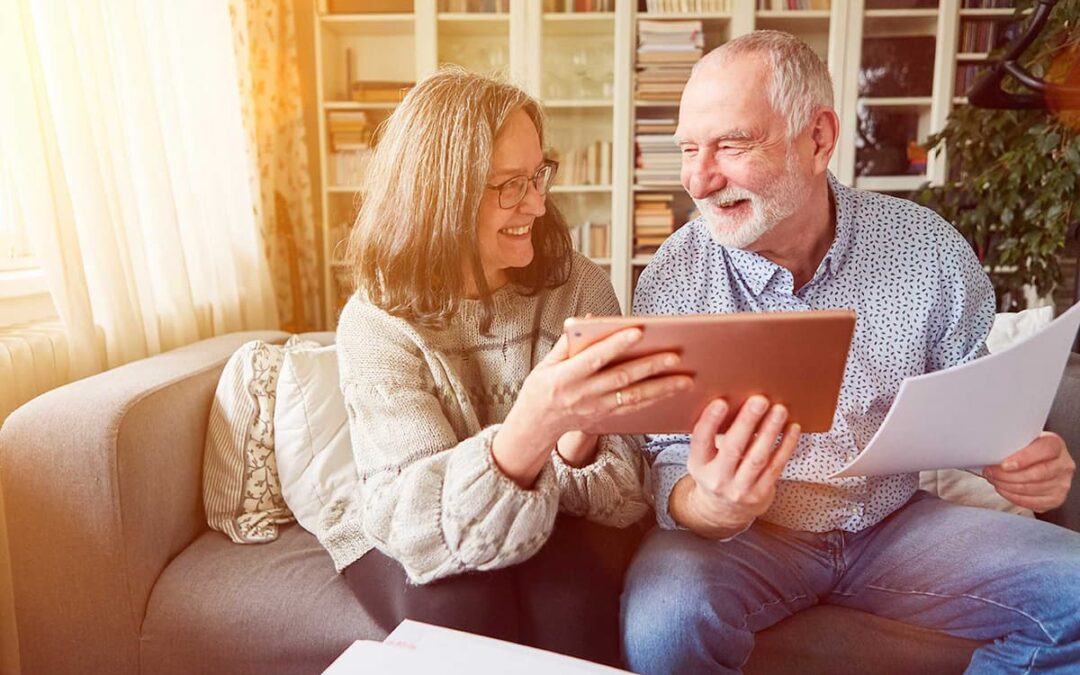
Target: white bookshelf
[{"x": 545, "y": 51}]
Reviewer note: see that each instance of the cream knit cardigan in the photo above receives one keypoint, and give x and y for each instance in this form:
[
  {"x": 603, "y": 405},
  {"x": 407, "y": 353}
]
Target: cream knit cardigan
[{"x": 423, "y": 407}]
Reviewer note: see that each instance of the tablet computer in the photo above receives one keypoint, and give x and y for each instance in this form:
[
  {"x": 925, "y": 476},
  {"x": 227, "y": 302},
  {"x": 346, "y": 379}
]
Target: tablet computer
[{"x": 793, "y": 358}]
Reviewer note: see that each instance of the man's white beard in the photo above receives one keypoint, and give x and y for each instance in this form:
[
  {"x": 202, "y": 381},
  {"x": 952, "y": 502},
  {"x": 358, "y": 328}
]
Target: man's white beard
[{"x": 786, "y": 195}]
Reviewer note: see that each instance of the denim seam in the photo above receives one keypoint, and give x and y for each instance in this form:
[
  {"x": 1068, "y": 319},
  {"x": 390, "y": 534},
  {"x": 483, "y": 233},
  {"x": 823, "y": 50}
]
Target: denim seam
[
  {"x": 1022, "y": 613},
  {"x": 760, "y": 609}
]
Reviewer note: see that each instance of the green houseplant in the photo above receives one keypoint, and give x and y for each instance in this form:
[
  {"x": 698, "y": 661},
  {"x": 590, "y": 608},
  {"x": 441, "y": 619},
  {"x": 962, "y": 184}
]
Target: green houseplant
[{"x": 1013, "y": 186}]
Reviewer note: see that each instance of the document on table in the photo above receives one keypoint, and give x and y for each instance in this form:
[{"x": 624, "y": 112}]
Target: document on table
[
  {"x": 414, "y": 648},
  {"x": 972, "y": 415}
]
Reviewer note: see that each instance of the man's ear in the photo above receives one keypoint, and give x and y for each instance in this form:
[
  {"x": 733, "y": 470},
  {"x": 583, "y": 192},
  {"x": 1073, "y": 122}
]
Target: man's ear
[{"x": 824, "y": 130}]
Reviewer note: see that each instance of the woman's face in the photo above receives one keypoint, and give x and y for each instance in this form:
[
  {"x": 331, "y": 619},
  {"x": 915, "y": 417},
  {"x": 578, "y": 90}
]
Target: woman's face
[{"x": 505, "y": 235}]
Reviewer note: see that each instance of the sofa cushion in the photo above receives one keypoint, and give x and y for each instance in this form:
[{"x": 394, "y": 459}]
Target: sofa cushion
[
  {"x": 241, "y": 490},
  {"x": 311, "y": 434},
  {"x": 274, "y": 608}
]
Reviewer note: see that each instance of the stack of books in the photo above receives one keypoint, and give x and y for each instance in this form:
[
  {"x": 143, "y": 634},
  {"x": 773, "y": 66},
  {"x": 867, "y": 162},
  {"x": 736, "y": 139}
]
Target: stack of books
[
  {"x": 350, "y": 146},
  {"x": 658, "y": 160},
  {"x": 572, "y": 6},
  {"x": 654, "y": 221},
  {"x": 666, "y": 52}
]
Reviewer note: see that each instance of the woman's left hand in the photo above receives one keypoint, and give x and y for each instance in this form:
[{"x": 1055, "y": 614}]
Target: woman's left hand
[{"x": 577, "y": 448}]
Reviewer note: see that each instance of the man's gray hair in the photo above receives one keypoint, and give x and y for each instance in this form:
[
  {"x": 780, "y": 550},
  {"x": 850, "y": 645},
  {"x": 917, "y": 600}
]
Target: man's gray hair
[{"x": 800, "y": 81}]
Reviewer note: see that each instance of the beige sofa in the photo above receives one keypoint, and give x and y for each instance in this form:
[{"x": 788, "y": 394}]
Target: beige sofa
[{"x": 116, "y": 572}]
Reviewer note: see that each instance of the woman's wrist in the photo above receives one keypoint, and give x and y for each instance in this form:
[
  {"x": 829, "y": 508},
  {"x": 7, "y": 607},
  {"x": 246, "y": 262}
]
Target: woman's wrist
[
  {"x": 520, "y": 452},
  {"x": 577, "y": 448}
]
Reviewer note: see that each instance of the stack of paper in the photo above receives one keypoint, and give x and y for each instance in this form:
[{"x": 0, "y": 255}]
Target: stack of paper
[{"x": 415, "y": 648}]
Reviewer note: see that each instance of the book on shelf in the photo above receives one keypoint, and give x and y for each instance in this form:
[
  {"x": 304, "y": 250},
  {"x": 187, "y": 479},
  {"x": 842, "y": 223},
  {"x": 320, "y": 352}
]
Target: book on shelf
[{"x": 988, "y": 4}]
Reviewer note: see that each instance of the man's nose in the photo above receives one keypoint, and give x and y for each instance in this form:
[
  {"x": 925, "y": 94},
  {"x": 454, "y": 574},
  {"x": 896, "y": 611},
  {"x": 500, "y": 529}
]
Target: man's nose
[{"x": 701, "y": 176}]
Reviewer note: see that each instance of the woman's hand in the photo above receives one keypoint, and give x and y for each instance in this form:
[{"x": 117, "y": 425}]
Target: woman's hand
[{"x": 565, "y": 393}]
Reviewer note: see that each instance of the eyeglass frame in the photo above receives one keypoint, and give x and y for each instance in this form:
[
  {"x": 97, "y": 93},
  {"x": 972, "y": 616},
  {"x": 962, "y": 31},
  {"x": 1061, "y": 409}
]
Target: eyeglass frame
[{"x": 547, "y": 163}]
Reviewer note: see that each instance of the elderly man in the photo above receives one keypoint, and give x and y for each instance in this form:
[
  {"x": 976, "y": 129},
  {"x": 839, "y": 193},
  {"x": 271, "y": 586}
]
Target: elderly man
[{"x": 752, "y": 529}]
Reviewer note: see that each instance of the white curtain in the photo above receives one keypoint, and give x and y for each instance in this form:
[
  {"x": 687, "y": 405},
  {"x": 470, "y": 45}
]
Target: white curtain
[
  {"x": 121, "y": 134},
  {"x": 120, "y": 121}
]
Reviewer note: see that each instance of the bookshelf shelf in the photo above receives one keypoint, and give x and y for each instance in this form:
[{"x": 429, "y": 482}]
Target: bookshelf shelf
[
  {"x": 989, "y": 13},
  {"x": 794, "y": 21},
  {"x": 896, "y": 101},
  {"x": 368, "y": 25},
  {"x": 658, "y": 187},
  {"x": 359, "y": 105},
  {"x": 901, "y": 14},
  {"x": 570, "y": 189},
  {"x": 890, "y": 183},
  {"x": 685, "y": 16},
  {"x": 579, "y": 17},
  {"x": 579, "y": 103},
  {"x": 973, "y": 56}
]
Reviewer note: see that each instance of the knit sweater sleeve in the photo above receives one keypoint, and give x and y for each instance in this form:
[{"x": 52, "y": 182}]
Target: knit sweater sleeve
[
  {"x": 611, "y": 489},
  {"x": 432, "y": 501}
]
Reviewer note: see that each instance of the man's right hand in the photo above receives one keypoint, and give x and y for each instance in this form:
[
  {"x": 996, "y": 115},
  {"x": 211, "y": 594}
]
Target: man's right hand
[{"x": 733, "y": 476}]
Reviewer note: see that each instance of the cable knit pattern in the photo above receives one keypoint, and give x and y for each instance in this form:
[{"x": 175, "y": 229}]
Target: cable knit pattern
[
  {"x": 423, "y": 408},
  {"x": 596, "y": 491}
]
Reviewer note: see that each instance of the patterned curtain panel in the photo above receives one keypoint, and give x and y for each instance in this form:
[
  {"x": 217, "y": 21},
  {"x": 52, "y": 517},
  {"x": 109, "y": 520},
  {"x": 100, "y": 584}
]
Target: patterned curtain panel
[{"x": 264, "y": 33}]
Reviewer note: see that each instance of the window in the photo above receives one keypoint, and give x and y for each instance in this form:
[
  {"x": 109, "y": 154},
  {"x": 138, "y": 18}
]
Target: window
[{"x": 24, "y": 295}]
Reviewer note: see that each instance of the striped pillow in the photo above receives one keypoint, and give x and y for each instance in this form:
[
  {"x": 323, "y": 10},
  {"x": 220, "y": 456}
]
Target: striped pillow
[{"x": 241, "y": 489}]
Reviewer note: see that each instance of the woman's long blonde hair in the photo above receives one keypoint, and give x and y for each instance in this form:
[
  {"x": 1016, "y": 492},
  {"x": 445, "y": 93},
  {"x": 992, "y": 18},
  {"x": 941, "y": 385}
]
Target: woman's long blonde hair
[{"x": 418, "y": 214}]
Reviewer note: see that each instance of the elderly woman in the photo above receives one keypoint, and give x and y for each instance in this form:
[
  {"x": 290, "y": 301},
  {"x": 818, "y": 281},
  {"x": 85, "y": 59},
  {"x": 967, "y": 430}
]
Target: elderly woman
[{"x": 485, "y": 503}]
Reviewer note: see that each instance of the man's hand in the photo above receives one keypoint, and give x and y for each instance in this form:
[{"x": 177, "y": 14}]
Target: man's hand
[
  {"x": 1036, "y": 477},
  {"x": 733, "y": 478}
]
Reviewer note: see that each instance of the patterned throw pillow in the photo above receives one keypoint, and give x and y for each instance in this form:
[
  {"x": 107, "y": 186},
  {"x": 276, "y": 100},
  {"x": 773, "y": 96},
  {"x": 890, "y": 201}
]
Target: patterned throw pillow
[{"x": 241, "y": 489}]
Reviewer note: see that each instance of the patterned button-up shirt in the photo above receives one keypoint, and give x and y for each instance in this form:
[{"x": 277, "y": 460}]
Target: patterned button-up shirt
[{"x": 923, "y": 304}]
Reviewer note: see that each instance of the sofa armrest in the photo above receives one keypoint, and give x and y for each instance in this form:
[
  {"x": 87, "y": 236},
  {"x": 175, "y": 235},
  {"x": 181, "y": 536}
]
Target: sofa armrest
[
  {"x": 1064, "y": 419},
  {"x": 102, "y": 488}
]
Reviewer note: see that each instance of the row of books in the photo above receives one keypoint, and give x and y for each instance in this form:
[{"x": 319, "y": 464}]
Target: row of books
[
  {"x": 654, "y": 221},
  {"x": 966, "y": 75},
  {"x": 986, "y": 36},
  {"x": 988, "y": 4},
  {"x": 686, "y": 6},
  {"x": 573, "y": 6},
  {"x": 479, "y": 6},
  {"x": 782, "y": 5},
  {"x": 592, "y": 239},
  {"x": 666, "y": 52},
  {"x": 348, "y": 167},
  {"x": 590, "y": 165}
]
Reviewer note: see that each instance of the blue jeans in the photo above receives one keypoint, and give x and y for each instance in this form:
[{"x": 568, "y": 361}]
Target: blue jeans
[{"x": 692, "y": 605}]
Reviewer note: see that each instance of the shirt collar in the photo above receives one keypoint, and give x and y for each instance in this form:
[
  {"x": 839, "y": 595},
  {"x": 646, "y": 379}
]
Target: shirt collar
[{"x": 757, "y": 271}]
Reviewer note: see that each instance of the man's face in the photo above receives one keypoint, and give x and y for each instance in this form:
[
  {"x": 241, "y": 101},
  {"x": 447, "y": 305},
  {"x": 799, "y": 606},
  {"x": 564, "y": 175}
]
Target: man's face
[{"x": 737, "y": 163}]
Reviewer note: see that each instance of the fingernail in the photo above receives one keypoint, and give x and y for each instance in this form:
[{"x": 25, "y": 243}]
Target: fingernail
[
  {"x": 795, "y": 428},
  {"x": 779, "y": 412},
  {"x": 633, "y": 335},
  {"x": 1009, "y": 466},
  {"x": 719, "y": 407},
  {"x": 671, "y": 360},
  {"x": 685, "y": 383},
  {"x": 758, "y": 404}
]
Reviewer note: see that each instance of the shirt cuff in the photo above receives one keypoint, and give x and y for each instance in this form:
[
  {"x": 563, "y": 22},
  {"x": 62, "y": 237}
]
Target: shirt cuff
[{"x": 665, "y": 476}]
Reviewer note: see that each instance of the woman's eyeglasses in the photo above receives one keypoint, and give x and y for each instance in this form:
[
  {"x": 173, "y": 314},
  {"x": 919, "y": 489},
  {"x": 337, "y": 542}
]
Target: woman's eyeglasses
[{"x": 512, "y": 191}]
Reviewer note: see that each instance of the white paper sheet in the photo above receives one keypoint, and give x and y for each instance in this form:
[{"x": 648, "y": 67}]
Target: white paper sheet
[
  {"x": 415, "y": 648},
  {"x": 973, "y": 415}
]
